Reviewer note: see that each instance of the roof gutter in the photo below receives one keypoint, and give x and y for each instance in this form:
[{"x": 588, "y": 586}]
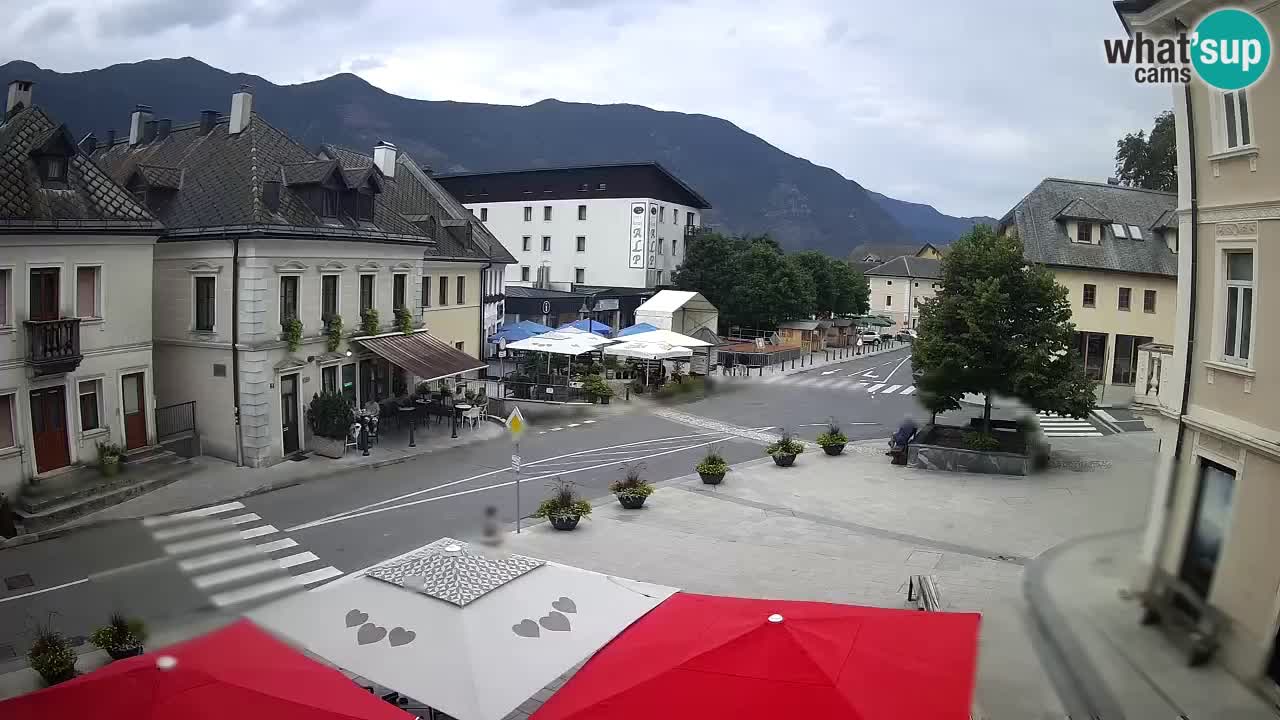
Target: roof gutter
[{"x": 235, "y": 346}]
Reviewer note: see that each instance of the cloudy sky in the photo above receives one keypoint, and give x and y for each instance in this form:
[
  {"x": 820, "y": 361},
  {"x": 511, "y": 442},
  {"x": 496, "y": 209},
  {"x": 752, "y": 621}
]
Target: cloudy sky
[{"x": 963, "y": 105}]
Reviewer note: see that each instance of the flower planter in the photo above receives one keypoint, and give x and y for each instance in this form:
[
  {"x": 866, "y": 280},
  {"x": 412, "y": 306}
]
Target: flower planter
[
  {"x": 109, "y": 468},
  {"x": 122, "y": 653},
  {"x": 328, "y": 447},
  {"x": 631, "y": 502},
  {"x": 833, "y": 449},
  {"x": 711, "y": 478},
  {"x": 564, "y": 522},
  {"x": 784, "y": 460}
]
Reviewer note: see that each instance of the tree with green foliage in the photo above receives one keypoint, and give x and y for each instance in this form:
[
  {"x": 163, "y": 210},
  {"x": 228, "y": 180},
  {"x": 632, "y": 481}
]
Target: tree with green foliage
[
  {"x": 838, "y": 288},
  {"x": 998, "y": 325},
  {"x": 1148, "y": 161}
]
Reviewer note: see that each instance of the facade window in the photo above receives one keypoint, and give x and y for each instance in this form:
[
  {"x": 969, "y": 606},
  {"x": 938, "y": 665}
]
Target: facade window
[
  {"x": 1090, "y": 296},
  {"x": 90, "y": 405},
  {"x": 5, "y": 275},
  {"x": 1122, "y": 302},
  {"x": 662, "y": 213},
  {"x": 1239, "y": 301},
  {"x": 364, "y": 206},
  {"x": 329, "y": 379},
  {"x": 1093, "y": 353},
  {"x": 329, "y": 203},
  {"x": 462, "y": 289},
  {"x": 328, "y": 297},
  {"x": 674, "y": 250},
  {"x": 484, "y": 214},
  {"x": 8, "y": 438},
  {"x": 662, "y": 246},
  {"x": 546, "y": 212},
  {"x": 524, "y": 273},
  {"x": 1084, "y": 233},
  {"x": 659, "y": 281},
  {"x": 89, "y": 292},
  {"x": 1149, "y": 301},
  {"x": 546, "y": 243},
  {"x": 579, "y": 275},
  {"x": 528, "y": 213},
  {"x": 525, "y": 241},
  {"x": 426, "y": 291},
  {"x": 888, "y": 301},
  {"x": 398, "y": 282},
  {"x": 1235, "y": 120},
  {"x": 444, "y": 291},
  {"x": 1124, "y": 368},
  {"x": 582, "y": 243},
  {"x": 288, "y": 298},
  {"x": 366, "y": 292},
  {"x": 204, "y": 301},
  {"x": 582, "y": 212},
  {"x": 55, "y": 168},
  {"x": 1210, "y": 523},
  {"x": 688, "y": 219}
]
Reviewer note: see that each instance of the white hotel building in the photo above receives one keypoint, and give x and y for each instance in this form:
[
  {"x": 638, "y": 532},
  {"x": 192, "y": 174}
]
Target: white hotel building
[{"x": 617, "y": 225}]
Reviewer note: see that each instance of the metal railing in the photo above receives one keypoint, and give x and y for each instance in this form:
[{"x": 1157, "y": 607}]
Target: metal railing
[
  {"x": 174, "y": 420},
  {"x": 545, "y": 391}
]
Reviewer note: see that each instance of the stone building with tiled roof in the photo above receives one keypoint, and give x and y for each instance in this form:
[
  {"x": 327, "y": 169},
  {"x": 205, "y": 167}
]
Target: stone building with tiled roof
[
  {"x": 283, "y": 272},
  {"x": 901, "y": 284},
  {"x": 75, "y": 302},
  {"x": 1115, "y": 250}
]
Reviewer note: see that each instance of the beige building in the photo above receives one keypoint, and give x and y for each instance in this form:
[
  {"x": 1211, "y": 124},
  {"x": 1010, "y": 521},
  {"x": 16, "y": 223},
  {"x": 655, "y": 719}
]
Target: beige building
[
  {"x": 1210, "y": 393},
  {"x": 75, "y": 302},
  {"x": 1115, "y": 250},
  {"x": 260, "y": 234},
  {"x": 900, "y": 285}
]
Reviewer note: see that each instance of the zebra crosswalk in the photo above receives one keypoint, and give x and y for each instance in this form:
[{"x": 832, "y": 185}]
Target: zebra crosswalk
[
  {"x": 1063, "y": 426},
  {"x": 235, "y": 556},
  {"x": 855, "y": 382}
]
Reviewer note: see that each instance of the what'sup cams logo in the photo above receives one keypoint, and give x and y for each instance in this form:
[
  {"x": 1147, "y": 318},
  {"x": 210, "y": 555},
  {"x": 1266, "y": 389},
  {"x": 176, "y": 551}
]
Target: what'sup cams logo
[{"x": 1229, "y": 49}]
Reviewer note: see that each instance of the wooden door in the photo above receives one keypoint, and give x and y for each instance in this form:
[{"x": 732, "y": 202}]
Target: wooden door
[
  {"x": 289, "y": 413},
  {"x": 133, "y": 393},
  {"x": 49, "y": 428},
  {"x": 45, "y": 294}
]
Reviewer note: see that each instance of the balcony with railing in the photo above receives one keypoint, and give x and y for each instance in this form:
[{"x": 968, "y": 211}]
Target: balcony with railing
[
  {"x": 53, "y": 346},
  {"x": 1153, "y": 384},
  {"x": 692, "y": 230}
]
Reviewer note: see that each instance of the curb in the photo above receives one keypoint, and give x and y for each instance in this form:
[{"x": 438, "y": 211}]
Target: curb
[
  {"x": 1101, "y": 417},
  {"x": 1085, "y": 685}
]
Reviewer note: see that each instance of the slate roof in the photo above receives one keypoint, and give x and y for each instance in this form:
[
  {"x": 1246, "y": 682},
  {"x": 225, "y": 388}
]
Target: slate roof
[
  {"x": 89, "y": 199},
  {"x": 1080, "y": 209},
  {"x": 1045, "y": 238},
  {"x": 157, "y": 176},
  {"x": 909, "y": 267},
  {"x": 521, "y": 291}
]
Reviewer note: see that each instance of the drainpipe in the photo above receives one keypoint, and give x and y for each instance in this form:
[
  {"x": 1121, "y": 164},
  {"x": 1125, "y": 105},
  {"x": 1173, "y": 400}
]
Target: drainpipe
[
  {"x": 1170, "y": 491},
  {"x": 235, "y": 346}
]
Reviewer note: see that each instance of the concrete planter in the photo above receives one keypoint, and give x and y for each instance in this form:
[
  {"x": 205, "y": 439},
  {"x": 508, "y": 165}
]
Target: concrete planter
[
  {"x": 922, "y": 454},
  {"x": 631, "y": 502},
  {"x": 784, "y": 460},
  {"x": 833, "y": 449},
  {"x": 328, "y": 447},
  {"x": 711, "y": 478},
  {"x": 564, "y": 522}
]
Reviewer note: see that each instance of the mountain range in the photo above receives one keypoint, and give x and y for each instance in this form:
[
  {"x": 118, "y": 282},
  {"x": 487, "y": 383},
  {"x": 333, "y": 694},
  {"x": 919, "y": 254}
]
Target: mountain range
[{"x": 753, "y": 186}]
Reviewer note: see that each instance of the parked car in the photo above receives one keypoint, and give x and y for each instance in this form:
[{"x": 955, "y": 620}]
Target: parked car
[
  {"x": 907, "y": 335},
  {"x": 869, "y": 336}
]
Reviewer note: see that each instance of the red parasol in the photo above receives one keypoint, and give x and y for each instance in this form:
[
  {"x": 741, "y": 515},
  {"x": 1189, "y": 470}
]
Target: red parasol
[
  {"x": 701, "y": 656},
  {"x": 236, "y": 673}
]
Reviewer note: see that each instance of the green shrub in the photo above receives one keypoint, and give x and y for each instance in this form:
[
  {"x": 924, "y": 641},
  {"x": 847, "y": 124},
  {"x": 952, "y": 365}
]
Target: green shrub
[
  {"x": 330, "y": 416},
  {"x": 370, "y": 324},
  {"x": 404, "y": 320},
  {"x": 564, "y": 502},
  {"x": 632, "y": 483},
  {"x": 120, "y": 633},
  {"x": 52, "y": 656},
  {"x": 109, "y": 452},
  {"x": 333, "y": 333},
  {"x": 595, "y": 387},
  {"x": 981, "y": 441},
  {"x": 292, "y": 328},
  {"x": 833, "y": 436},
  {"x": 713, "y": 463},
  {"x": 786, "y": 445}
]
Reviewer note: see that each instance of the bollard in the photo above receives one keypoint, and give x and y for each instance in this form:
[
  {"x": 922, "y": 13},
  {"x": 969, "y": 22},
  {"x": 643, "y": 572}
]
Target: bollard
[{"x": 411, "y": 443}]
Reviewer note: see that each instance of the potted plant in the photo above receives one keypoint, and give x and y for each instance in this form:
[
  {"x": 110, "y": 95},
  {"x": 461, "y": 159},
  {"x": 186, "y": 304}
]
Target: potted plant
[
  {"x": 713, "y": 467},
  {"x": 333, "y": 332},
  {"x": 564, "y": 508},
  {"x": 404, "y": 320},
  {"x": 330, "y": 417},
  {"x": 597, "y": 389},
  {"x": 109, "y": 455},
  {"x": 632, "y": 489},
  {"x": 785, "y": 449},
  {"x": 292, "y": 331},
  {"x": 369, "y": 321},
  {"x": 121, "y": 637},
  {"x": 833, "y": 440},
  {"x": 51, "y": 655}
]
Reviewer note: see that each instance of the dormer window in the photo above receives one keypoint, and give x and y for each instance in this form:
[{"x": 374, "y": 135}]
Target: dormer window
[
  {"x": 329, "y": 203},
  {"x": 364, "y": 207},
  {"x": 1135, "y": 233},
  {"x": 55, "y": 168},
  {"x": 1084, "y": 233},
  {"x": 1119, "y": 230}
]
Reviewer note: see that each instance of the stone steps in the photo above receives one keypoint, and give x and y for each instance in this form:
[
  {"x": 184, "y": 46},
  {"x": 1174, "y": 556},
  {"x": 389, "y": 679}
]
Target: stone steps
[{"x": 59, "y": 500}]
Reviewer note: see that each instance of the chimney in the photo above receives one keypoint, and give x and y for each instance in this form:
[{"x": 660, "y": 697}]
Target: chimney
[
  {"x": 1113, "y": 181},
  {"x": 149, "y": 131},
  {"x": 163, "y": 128},
  {"x": 111, "y": 138},
  {"x": 19, "y": 93},
  {"x": 88, "y": 144},
  {"x": 208, "y": 118},
  {"x": 241, "y": 109},
  {"x": 384, "y": 156},
  {"x": 141, "y": 115}
]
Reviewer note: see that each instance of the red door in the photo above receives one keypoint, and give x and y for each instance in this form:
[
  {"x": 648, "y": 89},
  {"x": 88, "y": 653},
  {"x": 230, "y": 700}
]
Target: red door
[
  {"x": 135, "y": 411},
  {"x": 49, "y": 428}
]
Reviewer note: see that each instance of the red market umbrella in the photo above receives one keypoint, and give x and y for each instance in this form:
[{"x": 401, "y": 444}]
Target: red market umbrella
[
  {"x": 700, "y": 656},
  {"x": 236, "y": 673}
]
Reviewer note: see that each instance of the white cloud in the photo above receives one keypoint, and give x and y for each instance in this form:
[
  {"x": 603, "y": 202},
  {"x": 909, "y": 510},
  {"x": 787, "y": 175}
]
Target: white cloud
[{"x": 961, "y": 105}]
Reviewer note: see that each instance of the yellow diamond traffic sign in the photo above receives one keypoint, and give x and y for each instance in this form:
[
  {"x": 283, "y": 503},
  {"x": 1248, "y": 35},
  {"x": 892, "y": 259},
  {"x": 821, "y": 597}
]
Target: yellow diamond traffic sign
[{"x": 515, "y": 422}]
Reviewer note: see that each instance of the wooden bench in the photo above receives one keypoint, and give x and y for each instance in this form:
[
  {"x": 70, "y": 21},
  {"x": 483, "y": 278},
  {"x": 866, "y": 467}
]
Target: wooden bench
[
  {"x": 923, "y": 591},
  {"x": 1194, "y": 625}
]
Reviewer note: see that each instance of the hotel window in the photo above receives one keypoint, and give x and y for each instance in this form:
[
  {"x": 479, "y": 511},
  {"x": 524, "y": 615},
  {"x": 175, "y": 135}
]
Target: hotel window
[
  {"x": 528, "y": 213},
  {"x": 1125, "y": 296},
  {"x": 204, "y": 302},
  {"x": 579, "y": 275},
  {"x": 662, "y": 213},
  {"x": 1239, "y": 307},
  {"x": 582, "y": 212},
  {"x": 366, "y": 292},
  {"x": 462, "y": 289},
  {"x": 582, "y": 243},
  {"x": 484, "y": 214},
  {"x": 328, "y": 297},
  {"x": 524, "y": 273},
  {"x": 8, "y": 438},
  {"x": 88, "y": 292},
  {"x": 546, "y": 212},
  {"x": 444, "y": 291},
  {"x": 90, "y": 405},
  {"x": 398, "y": 290},
  {"x": 674, "y": 250},
  {"x": 662, "y": 246},
  {"x": 888, "y": 301},
  {"x": 1235, "y": 121},
  {"x": 1149, "y": 301},
  {"x": 546, "y": 243},
  {"x": 1090, "y": 296},
  {"x": 524, "y": 242},
  {"x": 426, "y": 291},
  {"x": 288, "y": 298},
  {"x": 688, "y": 219}
]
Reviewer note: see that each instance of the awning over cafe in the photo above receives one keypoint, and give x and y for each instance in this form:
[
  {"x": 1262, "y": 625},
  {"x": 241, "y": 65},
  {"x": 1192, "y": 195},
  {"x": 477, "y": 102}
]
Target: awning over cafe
[{"x": 422, "y": 354}]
